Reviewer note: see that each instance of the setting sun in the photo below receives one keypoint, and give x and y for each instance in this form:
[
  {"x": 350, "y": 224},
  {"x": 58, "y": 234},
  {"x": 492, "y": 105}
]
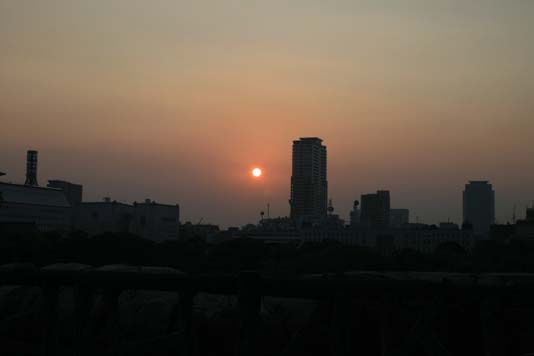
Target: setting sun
[{"x": 256, "y": 172}]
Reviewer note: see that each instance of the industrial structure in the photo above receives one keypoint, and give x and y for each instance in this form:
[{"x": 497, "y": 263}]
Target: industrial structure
[
  {"x": 59, "y": 207},
  {"x": 31, "y": 168},
  {"x": 28, "y": 207}
]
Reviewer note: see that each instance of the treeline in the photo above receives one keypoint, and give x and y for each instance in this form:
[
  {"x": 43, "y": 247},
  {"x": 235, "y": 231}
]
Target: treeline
[{"x": 196, "y": 256}]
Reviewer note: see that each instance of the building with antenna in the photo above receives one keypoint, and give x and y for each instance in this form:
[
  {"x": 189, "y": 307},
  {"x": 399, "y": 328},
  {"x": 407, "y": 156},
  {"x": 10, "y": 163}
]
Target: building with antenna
[
  {"x": 355, "y": 214},
  {"x": 27, "y": 206}
]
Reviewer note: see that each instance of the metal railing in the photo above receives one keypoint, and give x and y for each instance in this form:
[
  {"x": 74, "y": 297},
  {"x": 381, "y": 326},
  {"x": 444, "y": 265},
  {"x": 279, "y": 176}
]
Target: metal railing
[{"x": 488, "y": 290}]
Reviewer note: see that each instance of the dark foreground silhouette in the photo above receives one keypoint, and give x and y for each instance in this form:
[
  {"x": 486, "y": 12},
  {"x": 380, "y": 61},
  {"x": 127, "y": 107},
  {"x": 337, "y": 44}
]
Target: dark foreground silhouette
[{"x": 79, "y": 295}]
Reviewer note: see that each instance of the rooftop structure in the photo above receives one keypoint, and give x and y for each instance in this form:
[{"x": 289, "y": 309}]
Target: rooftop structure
[{"x": 31, "y": 168}]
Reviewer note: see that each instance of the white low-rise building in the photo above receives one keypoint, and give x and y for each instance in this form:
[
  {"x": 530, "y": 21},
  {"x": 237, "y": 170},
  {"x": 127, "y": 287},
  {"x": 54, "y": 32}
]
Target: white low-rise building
[
  {"x": 156, "y": 222},
  {"x": 46, "y": 208},
  {"x": 149, "y": 220},
  {"x": 422, "y": 238},
  {"x": 106, "y": 216}
]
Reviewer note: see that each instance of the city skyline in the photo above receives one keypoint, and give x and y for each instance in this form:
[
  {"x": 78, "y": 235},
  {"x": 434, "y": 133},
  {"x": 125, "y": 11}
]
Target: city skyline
[
  {"x": 308, "y": 187},
  {"x": 177, "y": 101},
  {"x": 266, "y": 177}
]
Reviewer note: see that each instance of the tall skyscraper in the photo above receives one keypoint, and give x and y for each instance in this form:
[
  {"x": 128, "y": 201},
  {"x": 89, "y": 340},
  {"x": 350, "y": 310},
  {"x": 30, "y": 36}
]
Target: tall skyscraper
[
  {"x": 309, "y": 187},
  {"x": 375, "y": 209},
  {"x": 479, "y": 206}
]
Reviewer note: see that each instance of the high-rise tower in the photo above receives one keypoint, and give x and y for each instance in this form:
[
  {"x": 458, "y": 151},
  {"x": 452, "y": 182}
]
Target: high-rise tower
[
  {"x": 479, "y": 206},
  {"x": 309, "y": 186}
]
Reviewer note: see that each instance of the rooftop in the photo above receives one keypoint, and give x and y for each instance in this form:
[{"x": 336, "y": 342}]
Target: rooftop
[
  {"x": 309, "y": 139},
  {"x": 24, "y": 194},
  {"x": 61, "y": 181}
]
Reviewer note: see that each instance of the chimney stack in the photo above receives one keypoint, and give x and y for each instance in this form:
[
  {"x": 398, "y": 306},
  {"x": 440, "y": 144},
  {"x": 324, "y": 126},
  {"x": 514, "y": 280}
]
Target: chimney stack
[{"x": 31, "y": 168}]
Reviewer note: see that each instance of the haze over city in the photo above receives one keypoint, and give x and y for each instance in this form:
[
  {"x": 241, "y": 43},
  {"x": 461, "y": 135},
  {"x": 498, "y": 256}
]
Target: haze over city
[{"x": 178, "y": 101}]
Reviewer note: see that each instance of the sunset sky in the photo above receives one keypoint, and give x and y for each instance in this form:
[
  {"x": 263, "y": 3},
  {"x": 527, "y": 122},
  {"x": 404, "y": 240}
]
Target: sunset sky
[{"x": 178, "y": 100}]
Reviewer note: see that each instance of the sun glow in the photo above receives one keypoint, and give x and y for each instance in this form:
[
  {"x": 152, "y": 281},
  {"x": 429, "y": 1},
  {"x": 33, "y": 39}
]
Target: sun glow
[{"x": 256, "y": 172}]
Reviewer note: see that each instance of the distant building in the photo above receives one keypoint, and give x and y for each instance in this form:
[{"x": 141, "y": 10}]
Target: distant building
[
  {"x": 358, "y": 236},
  {"x": 149, "y": 220},
  {"x": 29, "y": 207},
  {"x": 156, "y": 222},
  {"x": 503, "y": 232},
  {"x": 427, "y": 238},
  {"x": 448, "y": 226},
  {"x": 375, "y": 209},
  {"x": 524, "y": 229},
  {"x": 73, "y": 192},
  {"x": 309, "y": 187},
  {"x": 419, "y": 237},
  {"x": 479, "y": 206},
  {"x": 45, "y": 208},
  {"x": 399, "y": 217},
  {"x": 106, "y": 216},
  {"x": 355, "y": 214},
  {"x": 206, "y": 232},
  {"x": 279, "y": 224}
]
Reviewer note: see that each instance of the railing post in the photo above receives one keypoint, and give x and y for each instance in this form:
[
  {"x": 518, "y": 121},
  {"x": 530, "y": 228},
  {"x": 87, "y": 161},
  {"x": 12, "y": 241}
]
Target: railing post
[
  {"x": 491, "y": 323},
  {"x": 386, "y": 325},
  {"x": 340, "y": 326},
  {"x": 50, "y": 319},
  {"x": 186, "y": 306},
  {"x": 249, "y": 297},
  {"x": 83, "y": 299},
  {"x": 111, "y": 299}
]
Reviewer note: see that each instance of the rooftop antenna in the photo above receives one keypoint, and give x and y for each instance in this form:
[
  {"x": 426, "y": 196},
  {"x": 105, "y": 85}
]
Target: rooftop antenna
[
  {"x": 330, "y": 207},
  {"x": 261, "y": 215},
  {"x": 268, "y": 210},
  {"x": 513, "y": 215},
  {"x": 31, "y": 168}
]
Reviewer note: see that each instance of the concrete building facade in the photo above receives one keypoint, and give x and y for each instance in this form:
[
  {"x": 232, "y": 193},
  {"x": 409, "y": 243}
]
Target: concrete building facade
[
  {"x": 479, "y": 206},
  {"x": 399, "y": 217},
  {"x": 149, "y": 220},
  {"x": 375, "y": 210},
  {"x": 45, "y": 208},
  {"x": 309, "y": 187},
  {"x": 156, "y": 222}
]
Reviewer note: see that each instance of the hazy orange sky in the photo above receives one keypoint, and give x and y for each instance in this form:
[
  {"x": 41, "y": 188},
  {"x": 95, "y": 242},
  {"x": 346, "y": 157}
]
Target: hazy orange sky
[{"x": 176, "y": 101}]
